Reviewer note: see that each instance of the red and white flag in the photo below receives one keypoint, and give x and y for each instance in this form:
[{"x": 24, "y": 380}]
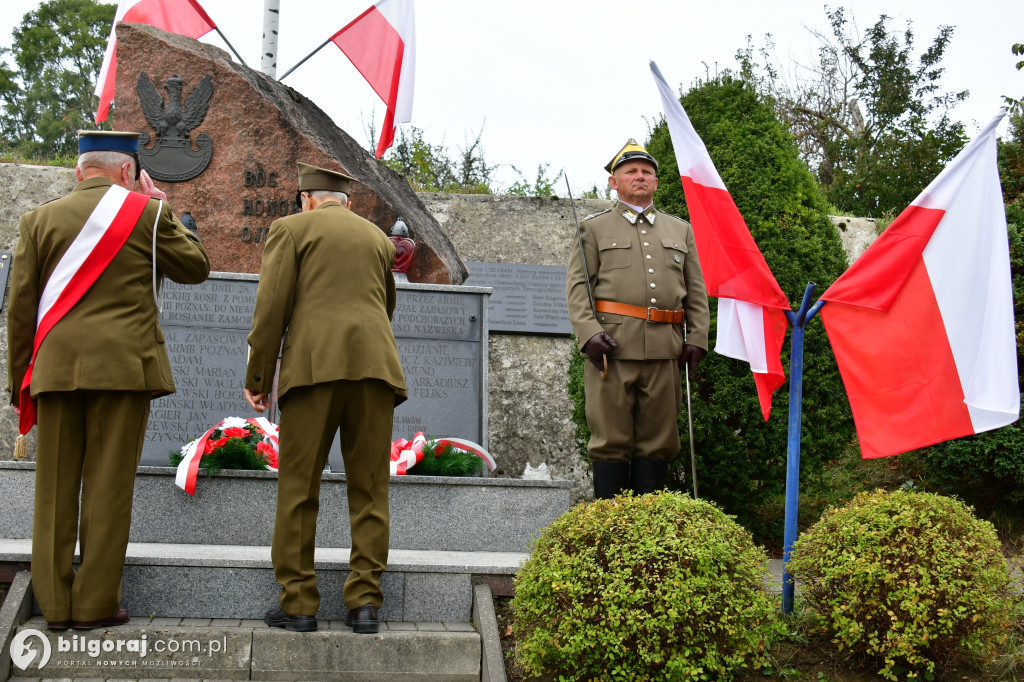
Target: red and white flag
[
  {"x": 381, "y": 44},
  {"x": 184, "y": 17},
  {"x": 922, "y": 323},
  {"x": 751, "y": 308}
]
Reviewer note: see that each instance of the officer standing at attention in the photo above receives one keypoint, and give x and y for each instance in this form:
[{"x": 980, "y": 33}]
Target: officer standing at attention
[
  {"x": 86, "y": 356},
  {"x": 325, "y": 299},
  {"x": 646, "y": 282}
]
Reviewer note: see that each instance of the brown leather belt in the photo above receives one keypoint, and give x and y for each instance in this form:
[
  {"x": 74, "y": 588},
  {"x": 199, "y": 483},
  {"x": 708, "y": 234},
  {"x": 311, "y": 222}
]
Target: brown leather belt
[{"x": 649, "y": 314}]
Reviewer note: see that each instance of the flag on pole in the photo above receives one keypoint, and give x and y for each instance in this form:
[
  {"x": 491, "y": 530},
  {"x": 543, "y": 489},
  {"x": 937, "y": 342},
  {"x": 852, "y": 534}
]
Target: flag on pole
[
  {"x": 922, "y": 323},
  {"x": 751, "y": 308},
  {"x": 184, "y": 17},
  {"x": 381, "y": 44}
]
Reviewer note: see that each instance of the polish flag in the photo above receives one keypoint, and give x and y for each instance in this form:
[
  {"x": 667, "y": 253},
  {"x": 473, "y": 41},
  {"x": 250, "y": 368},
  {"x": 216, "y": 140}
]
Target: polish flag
[
  {"x": 922, "y": 323},
  {"x": 381, "y": 44},
  {"x": 751, "y": 308},
  {"x": 184, "y": 17}
]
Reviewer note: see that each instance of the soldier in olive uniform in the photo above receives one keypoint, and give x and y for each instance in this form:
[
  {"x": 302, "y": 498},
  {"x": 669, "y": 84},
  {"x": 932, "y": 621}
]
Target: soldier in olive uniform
[
  {"x": 646, "y": 282},
  {"x": 325, "y": 298},
  {"x": 96, "y": 368}
]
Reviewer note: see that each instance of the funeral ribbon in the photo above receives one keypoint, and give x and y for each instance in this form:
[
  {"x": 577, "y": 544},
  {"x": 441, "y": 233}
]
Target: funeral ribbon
[
  {"x": 406, "y": 454},
  {"x": 188, "y": 468}
]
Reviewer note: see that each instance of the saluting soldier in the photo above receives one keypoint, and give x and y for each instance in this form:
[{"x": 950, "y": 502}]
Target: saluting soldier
[
  {"x": 646, "y": 282},
  {"x": 325, "y": 298},
  {"x": 86, "y": 357}
]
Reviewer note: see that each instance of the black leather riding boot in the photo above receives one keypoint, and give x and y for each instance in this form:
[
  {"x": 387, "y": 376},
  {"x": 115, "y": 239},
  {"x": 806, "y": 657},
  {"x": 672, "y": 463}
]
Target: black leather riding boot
[
  {"x": 610, "y": 479},
  {"x": 647, "y": 475}
]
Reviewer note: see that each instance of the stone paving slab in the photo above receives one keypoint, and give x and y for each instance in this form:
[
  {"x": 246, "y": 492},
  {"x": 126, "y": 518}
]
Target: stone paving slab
[
  {"x": 390, "y": 656},
  {"x": 447, "y": 652},
  {"x": 237, "y": 582}
]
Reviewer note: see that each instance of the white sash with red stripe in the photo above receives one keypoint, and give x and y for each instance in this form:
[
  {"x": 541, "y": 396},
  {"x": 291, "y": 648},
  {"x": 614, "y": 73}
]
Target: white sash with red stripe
[{"x": 100, "y": 239}]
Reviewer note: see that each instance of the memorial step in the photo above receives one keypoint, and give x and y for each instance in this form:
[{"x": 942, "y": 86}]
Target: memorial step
[
  {"x": 232, "y": 581},
  {"x": 237, "y": 508},
  {"x": 178, "y": 648}
]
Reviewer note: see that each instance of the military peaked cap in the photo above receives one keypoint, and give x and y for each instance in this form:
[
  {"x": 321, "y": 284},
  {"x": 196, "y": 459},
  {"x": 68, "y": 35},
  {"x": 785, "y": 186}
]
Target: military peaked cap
[
  {"x": 108, "y": 141},
  {"x": 631, "y": 151},
  {"x": 312, "y": 178}
]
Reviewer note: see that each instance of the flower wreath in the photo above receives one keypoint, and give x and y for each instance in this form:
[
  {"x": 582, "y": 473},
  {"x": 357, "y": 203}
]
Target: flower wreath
[{"x": 234, "y": 443}]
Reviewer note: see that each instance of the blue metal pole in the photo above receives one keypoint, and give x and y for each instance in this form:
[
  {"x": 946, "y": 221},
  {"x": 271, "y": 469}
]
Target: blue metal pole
[{"x": 799, "y": 322}]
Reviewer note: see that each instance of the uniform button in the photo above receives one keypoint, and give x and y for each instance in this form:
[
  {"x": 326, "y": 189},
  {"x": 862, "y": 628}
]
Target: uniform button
[
  {"x": 614, "y": 244},
  {"x": 645, "y": 244},
  {"x": 648, "y": 256},
  {"x": 257, "y": 377},
  {"x": 650, "y": 270},
  {"x": 653, "y": 285},
  {"x": 643, "y": 231},
  {"x": 654, "y": 300}
]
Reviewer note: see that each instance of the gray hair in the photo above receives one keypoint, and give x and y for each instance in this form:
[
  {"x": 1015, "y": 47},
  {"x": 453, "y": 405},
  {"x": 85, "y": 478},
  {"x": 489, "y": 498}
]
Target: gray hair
[
  {"x": 106, "y": 160},
  {"x": 325, "y": 195}
]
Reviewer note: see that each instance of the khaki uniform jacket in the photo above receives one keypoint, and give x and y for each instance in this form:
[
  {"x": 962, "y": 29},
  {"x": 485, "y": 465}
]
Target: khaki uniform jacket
[
  {"x": 648, "y": 265},
  {"x": 111, "y": 339},
  {"x": 326, "y": 286}
]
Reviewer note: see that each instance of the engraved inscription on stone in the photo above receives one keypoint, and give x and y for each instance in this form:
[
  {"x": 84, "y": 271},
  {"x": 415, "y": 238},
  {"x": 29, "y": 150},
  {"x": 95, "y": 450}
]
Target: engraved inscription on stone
[
  {"x": 205, "y": 328},
  {"x": 439, "y": 343},
  {"x": 527, "y": 299},
  {"x": 440, "y": 336}
]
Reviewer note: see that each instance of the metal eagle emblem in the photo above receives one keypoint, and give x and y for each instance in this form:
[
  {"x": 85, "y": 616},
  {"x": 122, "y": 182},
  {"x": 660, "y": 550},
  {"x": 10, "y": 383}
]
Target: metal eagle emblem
[{"x": 172, "y": 157}]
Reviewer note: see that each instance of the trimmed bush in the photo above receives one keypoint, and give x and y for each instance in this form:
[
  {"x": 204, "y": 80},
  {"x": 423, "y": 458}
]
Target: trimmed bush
[
  {"x": 912, "y": 580},
  {"x": 655, "y": 587}
]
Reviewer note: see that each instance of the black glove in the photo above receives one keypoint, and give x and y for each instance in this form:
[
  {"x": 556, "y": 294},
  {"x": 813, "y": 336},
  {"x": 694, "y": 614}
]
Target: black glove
[
  {"x": 692, "y": 355},
  {"x": 599, "y": 345}
]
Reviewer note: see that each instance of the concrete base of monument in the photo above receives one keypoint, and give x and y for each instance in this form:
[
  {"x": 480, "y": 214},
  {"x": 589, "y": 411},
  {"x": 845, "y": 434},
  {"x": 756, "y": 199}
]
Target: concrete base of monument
[
  {"x": 230, "y": 581},
  {"x": 208, "y": 556},
  {"x": 246, "y": 649},
  {"x": 237, "y": 508}
]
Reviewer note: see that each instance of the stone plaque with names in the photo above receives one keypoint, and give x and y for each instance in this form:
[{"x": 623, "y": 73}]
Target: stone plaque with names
[
  {"x": 441, "y": 333},
  {"x": 527, "y": 299}
]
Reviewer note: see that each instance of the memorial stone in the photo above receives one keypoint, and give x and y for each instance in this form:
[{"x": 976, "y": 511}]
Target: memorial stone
[
  {"x": 254, "y": 130},
  {"x": 442, "y": 339}
]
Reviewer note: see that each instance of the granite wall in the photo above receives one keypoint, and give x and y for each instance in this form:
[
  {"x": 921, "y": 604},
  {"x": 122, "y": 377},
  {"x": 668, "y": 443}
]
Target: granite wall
[{"x": 22, "y": 188}]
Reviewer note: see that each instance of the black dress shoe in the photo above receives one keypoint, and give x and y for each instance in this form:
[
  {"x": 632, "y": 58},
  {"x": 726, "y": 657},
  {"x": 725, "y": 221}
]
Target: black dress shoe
[
  {"x": 119, "y": 618},
  {"x": 58, "y": 625},
  {"x": 363, "y": 620},
  {"x": 277, "y": 618}
]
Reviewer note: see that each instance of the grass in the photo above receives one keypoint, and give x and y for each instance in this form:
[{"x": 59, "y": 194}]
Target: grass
[{"x": 15, "y": 157}]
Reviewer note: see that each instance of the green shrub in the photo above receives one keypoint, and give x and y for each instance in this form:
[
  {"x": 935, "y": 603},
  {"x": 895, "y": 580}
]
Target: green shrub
[
  {"x": 912, "y": 580},
  {"x": 656, "y": 587}
]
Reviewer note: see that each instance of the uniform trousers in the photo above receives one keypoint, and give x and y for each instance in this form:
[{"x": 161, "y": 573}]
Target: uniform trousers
[
  {"x": 89, "y": 445},
  {"x": 633, "y": 412},
  {"x": 310, "y": 416}
]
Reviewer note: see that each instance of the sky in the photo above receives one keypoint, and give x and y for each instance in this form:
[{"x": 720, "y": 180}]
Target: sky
[{"x": 567, "y": 83}]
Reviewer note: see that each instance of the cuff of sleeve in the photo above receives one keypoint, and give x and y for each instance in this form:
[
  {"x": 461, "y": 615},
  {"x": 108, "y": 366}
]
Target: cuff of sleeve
[
  {"x": 697, "y": 339},
  {"x": 586, "y": 332}
]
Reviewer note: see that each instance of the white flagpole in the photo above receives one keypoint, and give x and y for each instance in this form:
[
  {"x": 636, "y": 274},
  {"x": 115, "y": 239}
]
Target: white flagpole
[{"x": 271, "y": 19}]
